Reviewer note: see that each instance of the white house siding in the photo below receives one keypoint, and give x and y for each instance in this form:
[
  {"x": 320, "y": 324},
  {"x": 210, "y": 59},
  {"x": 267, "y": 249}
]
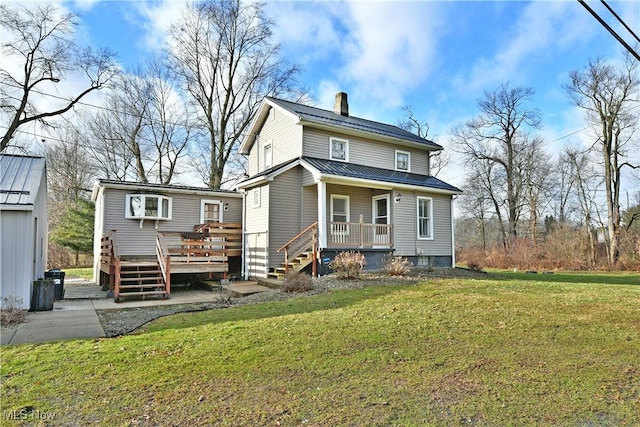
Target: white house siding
[
  {"x": 134, "y": 240},
  {"x": 284, "y": 219},
  {"x": 279, "y": 130},
  {"x": 363, "y": 151},
  {"x": 257, "y": 233},
  {"x": 405, "y": 226},
  {"x": 41, "y": 242}
]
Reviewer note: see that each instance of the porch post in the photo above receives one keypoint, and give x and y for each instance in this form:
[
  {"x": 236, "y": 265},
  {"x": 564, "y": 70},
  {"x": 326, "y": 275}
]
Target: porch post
[{"x": 322, "y": 214}]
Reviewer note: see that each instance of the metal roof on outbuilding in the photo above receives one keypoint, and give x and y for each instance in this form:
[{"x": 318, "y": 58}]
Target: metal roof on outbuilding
[{"x": 20, "y": 178}]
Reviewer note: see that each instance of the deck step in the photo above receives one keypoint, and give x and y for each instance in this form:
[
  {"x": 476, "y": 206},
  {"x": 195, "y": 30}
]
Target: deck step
[
  {"x": 140, "y": 279},
  {"x": 145, "y": 285}
]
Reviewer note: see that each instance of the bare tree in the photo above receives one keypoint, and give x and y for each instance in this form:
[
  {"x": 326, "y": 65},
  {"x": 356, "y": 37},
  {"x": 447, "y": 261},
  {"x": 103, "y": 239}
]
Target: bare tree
[
  {"x": 223, "y": 53},
  {"x": 587, "y": 185},
  {"x": 39, "y": 40},
  {"x": 608, "y": 96},
  {"x": 144, "y": 128},
  {"x": 498, "y": 140},
  {"x": 438, "y": 160}
]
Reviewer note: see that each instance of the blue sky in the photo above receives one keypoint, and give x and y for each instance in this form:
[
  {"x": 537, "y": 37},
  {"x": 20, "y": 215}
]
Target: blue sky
[{"x": 438, "y": 57}]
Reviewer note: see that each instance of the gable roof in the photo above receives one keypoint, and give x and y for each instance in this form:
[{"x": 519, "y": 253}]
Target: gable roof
[
  {"x": 317, "y": 117},
  {"x": 20, "y": 178},
  {"x": 354, "y": 173}
]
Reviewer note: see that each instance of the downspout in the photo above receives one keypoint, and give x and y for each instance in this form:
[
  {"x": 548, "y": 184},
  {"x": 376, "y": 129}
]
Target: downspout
[
  {"x": 453, "y": 234},
  {"x": 245, "y": 270}
]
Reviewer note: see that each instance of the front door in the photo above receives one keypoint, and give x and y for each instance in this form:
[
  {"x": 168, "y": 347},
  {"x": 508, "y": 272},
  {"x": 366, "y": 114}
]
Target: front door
[{"x": 381, "y": 216}]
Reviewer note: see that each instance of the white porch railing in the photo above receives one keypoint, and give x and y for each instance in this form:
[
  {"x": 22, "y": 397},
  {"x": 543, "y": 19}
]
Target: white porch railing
[{"x": 359, "y": 235}]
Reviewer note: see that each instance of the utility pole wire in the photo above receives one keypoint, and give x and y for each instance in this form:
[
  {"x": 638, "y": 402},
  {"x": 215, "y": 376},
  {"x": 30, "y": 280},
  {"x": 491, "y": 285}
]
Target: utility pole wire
[
  {"x": 620, "y": 20},
  {"x": 611, "y": 30}
]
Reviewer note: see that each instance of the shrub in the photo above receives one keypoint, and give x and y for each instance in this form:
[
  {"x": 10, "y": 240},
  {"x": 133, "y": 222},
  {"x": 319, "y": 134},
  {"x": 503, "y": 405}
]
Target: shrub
[
  {"x": 11, "y": 312},
  {"x": 348, "y": 265},
  {"x": 397, "y": 266},
  {"x": 297, "y": 281}
]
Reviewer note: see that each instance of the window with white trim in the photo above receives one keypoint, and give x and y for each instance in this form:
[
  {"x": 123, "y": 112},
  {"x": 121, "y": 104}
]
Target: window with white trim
[
  {"x": 339, "y": 215},
  {"x": 403, "y": 159},
  {"x": 256, "y": 197},
  {"x": 268, "y": 156},
  {"x": 339, "y": 149},
  {"x": 210, "y": 211},
  {"x": 148, "y": 206},
  {"x": 425, "y": 218}
]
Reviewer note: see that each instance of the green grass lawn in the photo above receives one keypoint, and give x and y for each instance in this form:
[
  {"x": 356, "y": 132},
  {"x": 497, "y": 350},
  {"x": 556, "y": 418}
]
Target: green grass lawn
[
  {"x": 493, "y": 351},
  {"x": 81, "y": 272}
]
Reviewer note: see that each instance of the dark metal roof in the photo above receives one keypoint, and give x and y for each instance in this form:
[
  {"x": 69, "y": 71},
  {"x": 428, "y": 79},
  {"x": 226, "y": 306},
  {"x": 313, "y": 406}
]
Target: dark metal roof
[
  {"x": 20, "y": 178},
  {"x": 350, "y": 170},
  {"x": 320, "y": 116},
  {"x": 107, "y": 182}
]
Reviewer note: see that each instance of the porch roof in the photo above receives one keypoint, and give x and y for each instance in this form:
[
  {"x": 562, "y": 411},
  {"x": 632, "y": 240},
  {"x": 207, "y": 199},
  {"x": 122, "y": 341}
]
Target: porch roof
[
  {"x": 354, "y": 171},
  {"x": 351, "y": 170}
]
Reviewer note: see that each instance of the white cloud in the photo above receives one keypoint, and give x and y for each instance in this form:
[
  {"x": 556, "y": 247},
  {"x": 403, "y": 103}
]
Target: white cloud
[
  {"x": 544, "y": 28},
  {"x": 390, "y": 48}
]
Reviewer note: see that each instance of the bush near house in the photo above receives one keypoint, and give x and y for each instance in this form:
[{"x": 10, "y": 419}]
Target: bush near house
[
  {"x": 348, "y": 265},
  {"x": 397, "y": 266},
  {"x": 297, "y": 281}
]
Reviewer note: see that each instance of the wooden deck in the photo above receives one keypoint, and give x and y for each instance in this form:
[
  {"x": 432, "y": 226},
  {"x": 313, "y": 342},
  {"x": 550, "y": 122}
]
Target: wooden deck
[{"x": 205, "y": 249}]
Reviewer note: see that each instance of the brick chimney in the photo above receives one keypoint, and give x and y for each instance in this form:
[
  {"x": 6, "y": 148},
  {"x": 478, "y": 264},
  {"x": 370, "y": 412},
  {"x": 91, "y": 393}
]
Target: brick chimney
[{"x": 341, "y": 106}]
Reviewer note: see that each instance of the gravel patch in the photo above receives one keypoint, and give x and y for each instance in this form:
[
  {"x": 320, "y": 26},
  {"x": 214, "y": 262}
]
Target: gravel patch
[{"x": 118, "y": 322}]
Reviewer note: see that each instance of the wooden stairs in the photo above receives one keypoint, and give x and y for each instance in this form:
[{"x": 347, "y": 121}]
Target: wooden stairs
[
  {"x": 296, "y": 264},
  {"x": 140, "y": 279}
]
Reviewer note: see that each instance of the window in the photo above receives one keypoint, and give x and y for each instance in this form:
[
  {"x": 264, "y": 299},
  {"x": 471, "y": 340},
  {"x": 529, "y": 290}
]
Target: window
[
  {"x": 425, "y": 218},
  {"x": 148, "y": 206},
  {"x": 210, "y": 211},
  {"x": 339, "y": 149},
  {"x": 268, "y": 156},
  {"x": 256, "y": 197},
  {"x": 402, "y": 160},
  {"x": 340, "y": 215}
]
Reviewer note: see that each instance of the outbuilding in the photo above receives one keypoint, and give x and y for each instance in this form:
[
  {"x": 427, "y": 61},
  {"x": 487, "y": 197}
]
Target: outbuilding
[{"x": 23, "y": 225}]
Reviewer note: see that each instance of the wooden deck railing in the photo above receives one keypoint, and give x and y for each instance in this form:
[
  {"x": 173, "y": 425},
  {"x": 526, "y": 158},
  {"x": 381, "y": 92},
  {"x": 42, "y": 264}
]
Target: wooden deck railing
[
  {"x": 306, "y": 240},
  {"x": 110, "y": 259},
  {"x": 359, "y": 235},
  {"x": 164, "y": 261},
  {"x": 205, "y": 250}
]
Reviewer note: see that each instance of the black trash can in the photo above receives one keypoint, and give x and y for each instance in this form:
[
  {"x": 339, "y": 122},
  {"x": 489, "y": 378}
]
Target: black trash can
[
  {"x": 58, "y": 279},
  {"x": 42, "y": 295}
]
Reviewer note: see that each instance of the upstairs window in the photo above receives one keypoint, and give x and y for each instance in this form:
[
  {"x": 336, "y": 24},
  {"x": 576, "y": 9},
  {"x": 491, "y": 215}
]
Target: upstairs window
[
  {"x": 268, "y": 156},
  {"x": 339, "y": 149},
  {"x": 148, "y": 206},
  {"x": 402, "y": 160}
]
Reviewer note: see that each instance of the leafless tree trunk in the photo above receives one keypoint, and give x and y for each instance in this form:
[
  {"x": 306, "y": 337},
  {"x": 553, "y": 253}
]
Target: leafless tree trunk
[
  {"x": 223, "y": 54},
  {"x": 607, "y": 94},
  {"x": 586, "y": 187},
  {"x": 438, "y": 160},
  {"x": 498, "y": 137},
  {"x": 40, "y": 38}
]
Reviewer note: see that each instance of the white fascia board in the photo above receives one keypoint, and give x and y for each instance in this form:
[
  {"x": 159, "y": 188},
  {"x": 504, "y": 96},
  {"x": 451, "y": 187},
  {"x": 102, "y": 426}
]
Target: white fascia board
[
  {"x": 16, "y": 207},
  {"x": 258, "y": 119},
  {"x": 264, "y": 179}
]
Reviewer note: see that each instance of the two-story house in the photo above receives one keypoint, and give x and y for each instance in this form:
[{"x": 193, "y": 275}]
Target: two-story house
[{"x": 340, "y": 183}]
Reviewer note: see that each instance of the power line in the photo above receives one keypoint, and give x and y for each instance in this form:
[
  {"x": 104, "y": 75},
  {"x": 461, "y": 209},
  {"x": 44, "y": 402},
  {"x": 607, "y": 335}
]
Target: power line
[
  {"x": 620, "y": 20},
  {"x": 611, "y": 30}
]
